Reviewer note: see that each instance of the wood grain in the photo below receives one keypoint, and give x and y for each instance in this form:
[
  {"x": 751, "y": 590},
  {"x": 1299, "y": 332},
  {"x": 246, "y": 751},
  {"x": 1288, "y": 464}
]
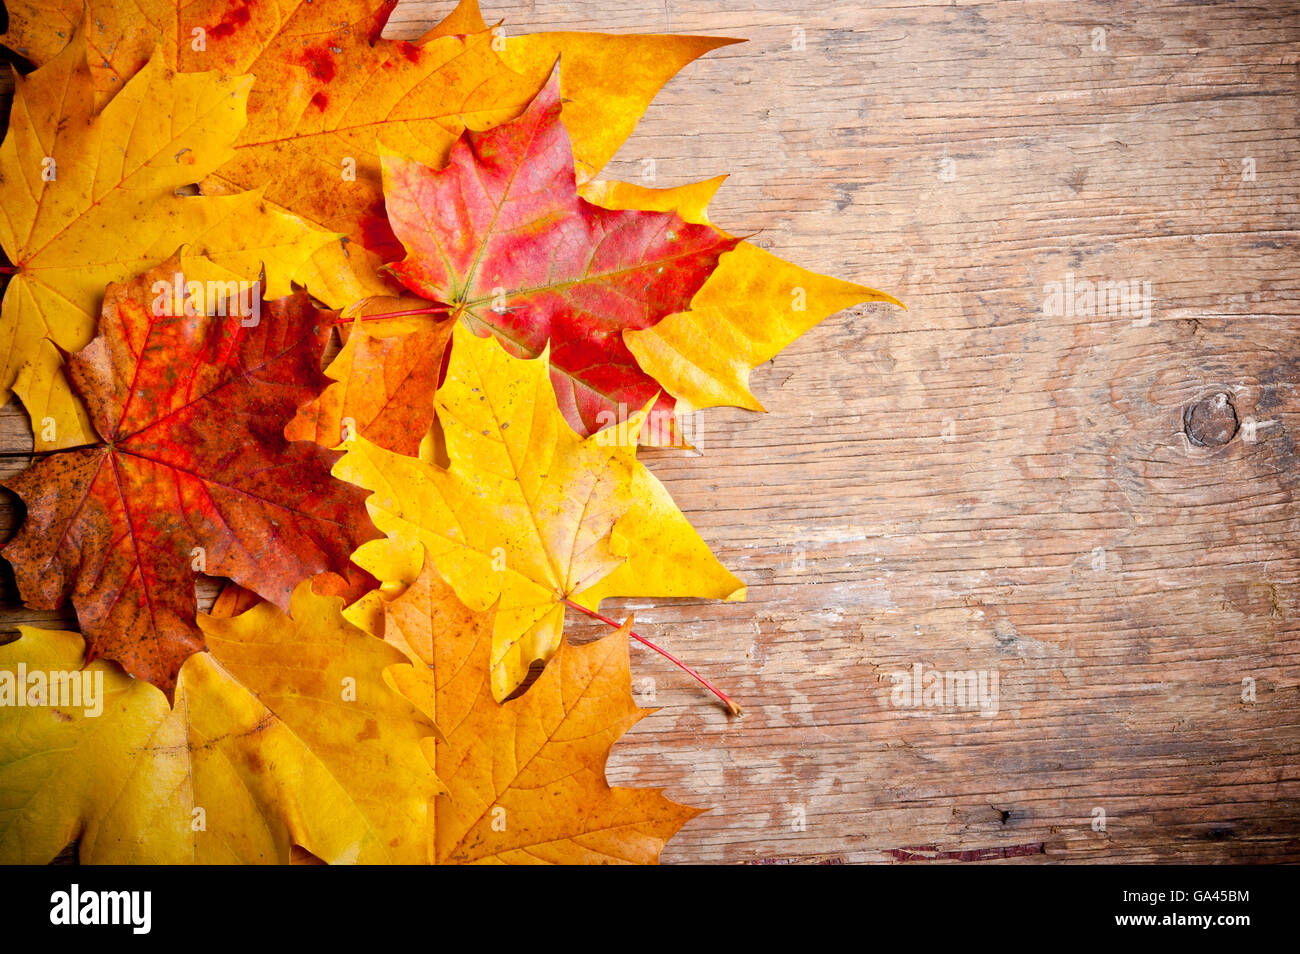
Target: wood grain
[{"x": 1100, "y": 508}]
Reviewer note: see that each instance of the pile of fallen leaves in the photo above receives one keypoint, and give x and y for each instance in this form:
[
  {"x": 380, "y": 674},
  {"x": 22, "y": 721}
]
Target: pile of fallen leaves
[{"x": 202, "y": 201}]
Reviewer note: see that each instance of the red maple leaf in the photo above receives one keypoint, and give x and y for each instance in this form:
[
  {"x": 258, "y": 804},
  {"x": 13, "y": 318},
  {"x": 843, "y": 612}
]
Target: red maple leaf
[
  {"x": 502, "y": 237},
  {"x": 193, "y": 475}
]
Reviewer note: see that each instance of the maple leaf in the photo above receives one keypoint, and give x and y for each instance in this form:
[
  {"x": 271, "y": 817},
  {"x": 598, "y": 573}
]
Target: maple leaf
[
  {"x": 193, "y": 473},
  {"x": 528, "y": 514},
  {"x": 91, "y": 198},
  {"x": 330, "y": 90},
  {"x": 384, "y": 377},
  {"x": 502, "y": 236},
  {"x": 753, "y": 306},
  {"x": 525, "y": 779},
  {"x": 283, "y": 733}
]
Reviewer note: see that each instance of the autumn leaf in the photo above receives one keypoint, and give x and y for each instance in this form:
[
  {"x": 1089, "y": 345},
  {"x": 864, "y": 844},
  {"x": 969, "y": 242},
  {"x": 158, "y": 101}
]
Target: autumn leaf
[
  {"x": 385, "y": 376},
  {"x": 525, "y": 779},
  {"x": 502, "y": 237},
  {"x": 464, "y": 19},
  {"x": 284, "y": 733},
  {"x": 91, "y": 198},
  {"x": 330, "y": 90},
  {"x": 528, "y": 514},
  {"x": 610, "y": 78},
  {"x": 193, "y": 473},
  {"x": 753, "y": 306}
]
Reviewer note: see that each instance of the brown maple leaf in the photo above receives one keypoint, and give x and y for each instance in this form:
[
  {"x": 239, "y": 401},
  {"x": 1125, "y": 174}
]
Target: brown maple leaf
[{"x": 193, "y": 473}]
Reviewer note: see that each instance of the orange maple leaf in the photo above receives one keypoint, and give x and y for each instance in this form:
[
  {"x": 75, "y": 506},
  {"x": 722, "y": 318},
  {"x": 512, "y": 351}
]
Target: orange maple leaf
[{"x": 525, "y": 779}]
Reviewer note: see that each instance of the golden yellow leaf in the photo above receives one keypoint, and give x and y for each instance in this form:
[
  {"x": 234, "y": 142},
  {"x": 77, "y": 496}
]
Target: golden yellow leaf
[
  {"x": 528, "y": 514},
  {"x": 690, "y": 201},
  {"x": 284, "y": 733},
  {"x": 753, "y": 306},
  {"x": 119, "y": 44},
  {"x": 466, "y": 18},
  {"x": 525, "y": 780},
  {"x": 91, "y": 199}
]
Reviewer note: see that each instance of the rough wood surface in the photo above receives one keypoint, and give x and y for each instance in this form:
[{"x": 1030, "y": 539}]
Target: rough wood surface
[{"x": 1100, "y": 508}]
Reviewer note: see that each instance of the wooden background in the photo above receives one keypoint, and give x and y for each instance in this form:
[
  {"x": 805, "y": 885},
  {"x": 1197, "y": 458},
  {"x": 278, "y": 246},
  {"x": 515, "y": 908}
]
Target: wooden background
[{"x": 974, "y": 484}]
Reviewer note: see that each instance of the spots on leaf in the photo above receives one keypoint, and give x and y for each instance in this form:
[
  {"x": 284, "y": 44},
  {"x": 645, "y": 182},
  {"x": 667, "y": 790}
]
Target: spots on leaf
[
  {"x": 319, "y": 62},
  {"x": 239, "y": 13}
]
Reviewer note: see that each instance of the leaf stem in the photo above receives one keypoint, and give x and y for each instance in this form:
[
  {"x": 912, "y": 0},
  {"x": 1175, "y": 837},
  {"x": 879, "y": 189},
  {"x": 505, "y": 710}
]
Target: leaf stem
[
  {"x": 730, "y": 703},
  {"x": 436, "y": 310}
]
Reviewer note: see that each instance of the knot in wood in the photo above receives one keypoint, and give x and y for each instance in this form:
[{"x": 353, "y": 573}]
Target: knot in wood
[{"x": 1212, "y": 421}]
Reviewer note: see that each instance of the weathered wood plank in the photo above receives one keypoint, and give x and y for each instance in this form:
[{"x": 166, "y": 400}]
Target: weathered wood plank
[{"x": 975, "y": 484}]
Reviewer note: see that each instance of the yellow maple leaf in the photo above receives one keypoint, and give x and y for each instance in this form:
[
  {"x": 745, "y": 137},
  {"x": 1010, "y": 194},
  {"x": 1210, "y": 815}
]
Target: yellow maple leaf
[
  {"x": 91, "y": 199},
  {"x": 284, "y": 733},
  {"x": 525, "y": 780},
  {"x": 753, "y": 306},
  {"x": 528, "y": 514}
]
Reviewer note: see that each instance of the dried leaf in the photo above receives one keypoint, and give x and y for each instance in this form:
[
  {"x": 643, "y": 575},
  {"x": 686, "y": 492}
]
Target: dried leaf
[
  {"x": 384, "y": 377},
  {"x": 91, "y": 198},
  {"x": 193, "y": 474},
  {"x": 609, "y": 78},
  {"x": 330, "y": 90},
  {"x": 525, "y": 780},
  {"x": 752, "y": 307}
]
